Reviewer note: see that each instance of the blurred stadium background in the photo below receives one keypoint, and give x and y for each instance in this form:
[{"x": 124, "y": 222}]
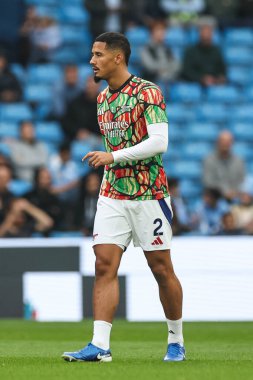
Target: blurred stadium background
[{"x": 216, "y": 271}]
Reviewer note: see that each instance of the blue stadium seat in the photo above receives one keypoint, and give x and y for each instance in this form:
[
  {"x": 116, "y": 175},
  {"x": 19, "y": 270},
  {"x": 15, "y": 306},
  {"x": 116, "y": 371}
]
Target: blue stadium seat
[
  {"x": 244, "y": 150},
  {"x": 42, "y": 2},
  {"x": 9, "y": 130},
  {"x": 185, "y": 92},
  {"x": 52, "y": 148},
  {"x": 15, "y": 112},
  {"x": 19, "y": 187},
  {"x": 180, "y": 113},
  {"x": 5, "y": 149},
  {"x": 214, "y": 113},
  {"x": 173, "y": 153},
  {"x": 225, "y": 93},
  {"x": 72, "y": 34},
  {"x": 243, "y": 112},
  {"x": 176, "y": 132},
  {"x": 190, "y": 189},
  {"x": 44, "y": 74},
  {"x": 50, "y": 132},
  {"x": 38, "y": 93},
  {"x": 84, "y": 71},
  {"x": 238, "y": 75},
  {"x": 138, "y": 35},
  {"x": 135, "y": 55},
  {"x": 196, "y": 150},
  {"x": 204, "y": 131},
  {"x": 239, "y": 36},
  {"x": 249, "y": 93},
  {"x": 238, "y": 56},
  {"x": 66, "y": 54},
  {"x": 74, "y": 14},
  {"x": 185, "y": 169},
  {"x": 79, "y": 149},
  {"x": 19, "y": 71},
  {"x": 175, "y": 36},
  {"x": 47, "y": 10},
  {"x": 242, "y": 131}
]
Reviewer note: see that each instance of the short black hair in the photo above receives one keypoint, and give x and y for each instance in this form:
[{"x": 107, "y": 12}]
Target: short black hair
[{"x": 116, "y": 40}]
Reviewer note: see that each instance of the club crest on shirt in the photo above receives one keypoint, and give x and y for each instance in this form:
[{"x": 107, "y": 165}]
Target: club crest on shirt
[{"x": 123, "y": 108}]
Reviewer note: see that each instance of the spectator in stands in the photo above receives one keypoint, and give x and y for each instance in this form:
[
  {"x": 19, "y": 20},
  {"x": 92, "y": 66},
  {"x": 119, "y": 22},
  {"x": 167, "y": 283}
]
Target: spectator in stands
[
  {"x": 45, "y": 40},
  {"x": 66, "y": 90},
  {"x": 43, "y": 197},
  {"x": 228, "y": 226},
  {"x": 157, "y": 59},
  {"x": 209, "y": 211},
  {"x": 181, "y": 217},
  {"x": 87, "y": 205},
  {"x": 183, "y": 10},
  {"x": 81, "y": 113},
  {"x": 65, "y": 182},
  {"x": 224, "y": 11},
  {"x": 107, "y": 15},
  {"x": 18, "y": 217},
  {"x": 203, "y": 62},
  {"x": 10, "y": 88},
  {"x": 27, "y": 154},
  {"x": 245, "y": 12},
  {"x": 98, "y": 14},
  {"x": 242, "y": 212},
  {"x": 30, "y": 23},
  {"x": 222, "y": 169},
  {"x": 6, "y": 197}
]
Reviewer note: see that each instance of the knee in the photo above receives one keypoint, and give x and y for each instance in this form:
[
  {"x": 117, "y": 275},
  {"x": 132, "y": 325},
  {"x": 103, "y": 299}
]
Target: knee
[
  {"x": 161, "y": 271},
  {"x": 103, "y": 268}
]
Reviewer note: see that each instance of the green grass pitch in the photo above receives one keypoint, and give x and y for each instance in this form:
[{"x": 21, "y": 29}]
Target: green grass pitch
[{"x": 32, "y": 350}]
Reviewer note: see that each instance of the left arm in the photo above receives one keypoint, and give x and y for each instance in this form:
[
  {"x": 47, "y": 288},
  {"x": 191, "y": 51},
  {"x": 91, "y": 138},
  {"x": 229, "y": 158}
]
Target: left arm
[{"x": 156, "y": 143}]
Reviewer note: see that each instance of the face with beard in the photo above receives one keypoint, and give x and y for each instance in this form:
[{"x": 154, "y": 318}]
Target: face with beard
[{"x": 105, "y": 61}]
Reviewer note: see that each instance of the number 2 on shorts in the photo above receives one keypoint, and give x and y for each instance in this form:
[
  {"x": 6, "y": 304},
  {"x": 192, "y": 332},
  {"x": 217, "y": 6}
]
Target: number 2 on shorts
[{"x": 156, "y": 230}]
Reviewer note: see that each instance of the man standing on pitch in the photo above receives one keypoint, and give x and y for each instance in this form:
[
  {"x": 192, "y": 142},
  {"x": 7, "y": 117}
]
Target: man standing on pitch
[{"x": 134, "y": 201}]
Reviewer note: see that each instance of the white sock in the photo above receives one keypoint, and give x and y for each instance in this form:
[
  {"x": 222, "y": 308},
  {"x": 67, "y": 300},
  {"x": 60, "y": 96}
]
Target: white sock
[
  {"x": 101, "y": 334},
  {"x": 175, "y": 329}
]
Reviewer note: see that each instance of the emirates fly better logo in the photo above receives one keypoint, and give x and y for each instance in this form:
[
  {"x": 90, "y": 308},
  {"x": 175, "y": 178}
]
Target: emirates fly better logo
[{"x": 114, "y": 128}]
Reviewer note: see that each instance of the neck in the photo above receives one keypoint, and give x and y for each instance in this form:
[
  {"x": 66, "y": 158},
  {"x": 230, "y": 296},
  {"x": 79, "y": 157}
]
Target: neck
[{"x": 116, "y": 81}]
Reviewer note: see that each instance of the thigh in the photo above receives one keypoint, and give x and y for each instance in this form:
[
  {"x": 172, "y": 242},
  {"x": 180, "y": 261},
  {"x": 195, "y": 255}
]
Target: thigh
[
  {"x": 111, "y": 225},
  {"x": 151, "y": 224}
]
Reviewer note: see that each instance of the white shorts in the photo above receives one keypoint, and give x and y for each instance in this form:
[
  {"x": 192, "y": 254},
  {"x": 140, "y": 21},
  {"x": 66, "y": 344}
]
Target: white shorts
[{"x": 148, "y": 223}]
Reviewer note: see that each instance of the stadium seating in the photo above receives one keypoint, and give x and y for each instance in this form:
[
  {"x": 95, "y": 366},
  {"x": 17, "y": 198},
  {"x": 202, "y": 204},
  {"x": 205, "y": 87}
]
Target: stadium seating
[
  {"x": 19, "y": 187},
  {"x": 9, "y": 130},
  {"x": 73, "y": 14},
  {"x": 202, "y": 131},
  {"x": 180, "y": 113},
  {"x": 238, "y": 75},
  {"x": 38, "y": 93},
  {"x": 196, "y": 150},
  {"x": 243, "y": 112},
  {"x": 242, "y": 131},
  {"x": 50, "y": 132},
  {"x": 238, "y": 55},
  {"x": 47, "y": 73},
  {"x": 225, "y": 94},
  {"x": 137, "y": 35},
  {"x": 185, "y": 92},
  {"x": 244, "y": 150},
  {"x": 213, "y": 112},
  {"x": 240, "y": 37},
  {"x": 15, "y": 112}
]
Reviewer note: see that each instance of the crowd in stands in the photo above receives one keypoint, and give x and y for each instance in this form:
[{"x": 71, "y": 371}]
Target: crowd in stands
[{"x": 199, "y": 52}]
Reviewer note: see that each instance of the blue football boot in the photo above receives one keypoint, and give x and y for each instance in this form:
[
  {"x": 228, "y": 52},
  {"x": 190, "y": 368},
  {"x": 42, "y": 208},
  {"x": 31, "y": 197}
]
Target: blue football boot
[
  {"x": 175, "y": 353},
  {"x": 90, "y": 353}
]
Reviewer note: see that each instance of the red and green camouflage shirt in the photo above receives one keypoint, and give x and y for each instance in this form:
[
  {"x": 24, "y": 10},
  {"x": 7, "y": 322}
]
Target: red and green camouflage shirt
[{"x": 123, "y": 117}]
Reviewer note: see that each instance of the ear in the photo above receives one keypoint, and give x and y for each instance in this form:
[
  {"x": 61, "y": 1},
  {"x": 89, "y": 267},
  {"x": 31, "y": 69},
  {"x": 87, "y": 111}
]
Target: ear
[{"x": 118, "y": 58}]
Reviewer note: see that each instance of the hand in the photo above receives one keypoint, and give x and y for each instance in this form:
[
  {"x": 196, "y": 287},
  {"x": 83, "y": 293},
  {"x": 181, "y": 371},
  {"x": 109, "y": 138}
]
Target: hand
[{"x": 98, "y": 159}]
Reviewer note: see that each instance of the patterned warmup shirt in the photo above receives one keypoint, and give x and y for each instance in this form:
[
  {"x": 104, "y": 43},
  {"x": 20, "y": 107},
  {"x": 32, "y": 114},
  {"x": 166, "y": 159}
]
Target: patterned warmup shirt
[{"x": 123, "y": 117}]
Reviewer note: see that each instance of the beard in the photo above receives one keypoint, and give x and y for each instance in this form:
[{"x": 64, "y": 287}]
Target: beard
[{"x": 97, "y": 79}]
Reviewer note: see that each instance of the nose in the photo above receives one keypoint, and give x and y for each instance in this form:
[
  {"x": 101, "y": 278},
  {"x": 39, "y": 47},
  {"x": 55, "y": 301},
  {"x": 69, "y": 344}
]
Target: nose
[{"x": 92, "y": 60}]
